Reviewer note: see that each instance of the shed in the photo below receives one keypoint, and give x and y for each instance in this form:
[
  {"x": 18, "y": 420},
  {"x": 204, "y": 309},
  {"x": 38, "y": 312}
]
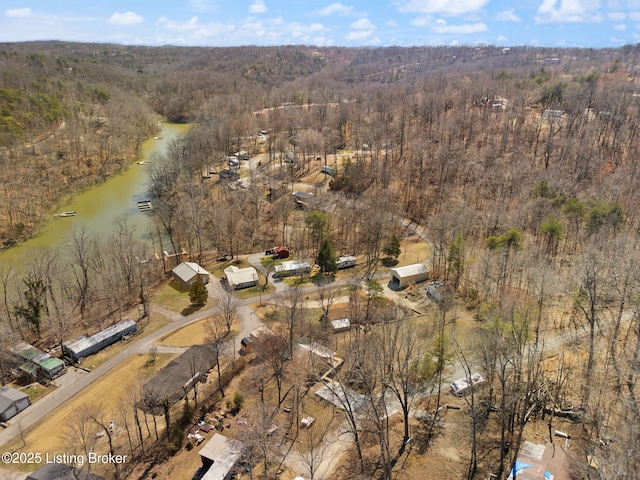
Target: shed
[
  {"x": 12, "y": 402},
  {"x": 238, "y": 278},
  {"x": 187, "y": 272},
  {"x": 60, "y": 471},
  {"x": 85, "y": 346},
  {"x": 341, "y": 325},
  {"x": 291, "y": 268},
  {"x": 400, "y": 277},
  {"x": 219, "y": 457}
]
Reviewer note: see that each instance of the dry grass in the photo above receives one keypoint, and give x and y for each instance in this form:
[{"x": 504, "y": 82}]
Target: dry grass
[
  {"x": 193, "y": 334},
  {"x": 175, "y": 297},
  {"x": 50, "y": 435}
]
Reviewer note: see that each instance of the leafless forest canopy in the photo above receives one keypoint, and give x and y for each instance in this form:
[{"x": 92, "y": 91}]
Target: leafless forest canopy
[{"x": 521, "y": 163}]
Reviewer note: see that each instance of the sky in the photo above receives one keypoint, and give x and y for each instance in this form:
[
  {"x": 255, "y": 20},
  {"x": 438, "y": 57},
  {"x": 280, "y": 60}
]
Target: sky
[{"x": 351, "y": 23}]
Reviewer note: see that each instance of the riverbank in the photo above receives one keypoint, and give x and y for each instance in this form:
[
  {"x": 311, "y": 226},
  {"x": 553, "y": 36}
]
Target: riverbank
[{"x": 96, "y": 208}]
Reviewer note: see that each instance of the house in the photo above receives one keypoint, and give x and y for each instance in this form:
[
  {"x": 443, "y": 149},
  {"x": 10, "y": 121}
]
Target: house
[
  {"x": 178, "y": 377},
  {"x": 341, "y": 325},
  {"x": 291, "y": 268},
  {"x": 220, "y": 455},
  {"x": 544, "y": 462},
  {"x": 437, "y": 291},
  {"x": 12, "y": 402},
  {"x": 187, "y": 272},
  {"x": 346, "y": 262},
  {"x": 238, "y": 278},
  {"x": 60, "y": 471},
  {"x": 400, "y": 277},
  {"x": 85, "y": 346},
  {"x": 38, "y": 362}
]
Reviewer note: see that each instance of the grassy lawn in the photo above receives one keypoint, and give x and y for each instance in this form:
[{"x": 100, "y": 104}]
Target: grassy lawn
[
  {"x": 175, "y": 297},
  {"x": 255, "y": 291},
  {"x": 195, "y": 333},
  {"x": 36, "y": 391},
  {"x": 107, "y": 393}
]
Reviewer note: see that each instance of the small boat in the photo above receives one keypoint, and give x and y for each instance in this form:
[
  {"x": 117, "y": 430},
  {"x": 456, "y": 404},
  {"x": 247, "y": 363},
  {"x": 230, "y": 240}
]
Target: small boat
[
  {"x": 65, "y": 214},
  {"x": 159, "y": 137},
  {"x": 143, "y": 162}
]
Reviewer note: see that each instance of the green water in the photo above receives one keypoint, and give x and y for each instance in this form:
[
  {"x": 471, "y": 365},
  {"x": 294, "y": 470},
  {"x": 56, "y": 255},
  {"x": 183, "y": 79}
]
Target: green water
[{"x": 98, "y": 207}]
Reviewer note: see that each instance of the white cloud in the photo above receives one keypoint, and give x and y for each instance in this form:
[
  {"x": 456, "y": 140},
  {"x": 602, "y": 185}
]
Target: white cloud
[
  {"x": 507, "y": 16},
  {"x": 616, "y": 16},
  {"x": 423, "y": 21},
  {"x": 18, "y": 12},
  {"x": 363, "y": 29},
  {"x": 460, "y": 29},
  {"x": 258, "y": 7},
  {"x": 443, "y": 7},
  {"x": 569, "y": 11},
  {"x": 363, "y": 24},
  {"x": 620, "y": 27},
  {"x": 200, "y": 5},
  {"x": 502, "y": 39},
  {"x": 190, "y": 26},
  {"x": 128, "y": 18},
  {"x": 391, "y": 23},
  {"x": 338, "y": 8},
  {"x": 635, "y": 16}
]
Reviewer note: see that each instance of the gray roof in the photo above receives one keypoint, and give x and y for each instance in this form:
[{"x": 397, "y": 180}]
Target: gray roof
[
  {"x": 60, "y": 471},
  {"x": 187, "y": 270},
  {"x": 84, "y": 343},
  {"x": 9, "y": 396},
  {"x": 224, "y": 453}
]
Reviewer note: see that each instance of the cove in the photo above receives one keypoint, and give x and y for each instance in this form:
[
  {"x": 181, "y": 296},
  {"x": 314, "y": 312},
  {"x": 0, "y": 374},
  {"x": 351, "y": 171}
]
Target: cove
[{"x": 98, "y": 207}]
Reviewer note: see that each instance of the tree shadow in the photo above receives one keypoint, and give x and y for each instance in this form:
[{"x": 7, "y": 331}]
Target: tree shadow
[
  {"x": 191, "y": 309},
  {"x": 389, "y": 261},
  {"x": 322, "y": 279}
]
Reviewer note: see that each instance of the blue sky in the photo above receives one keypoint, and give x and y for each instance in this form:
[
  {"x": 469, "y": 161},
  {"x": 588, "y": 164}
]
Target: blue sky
[{"x": 552, "y": 23}]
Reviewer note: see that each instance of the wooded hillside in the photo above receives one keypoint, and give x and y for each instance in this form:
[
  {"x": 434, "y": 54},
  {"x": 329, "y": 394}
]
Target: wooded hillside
[{"x": 521, "y": 163}]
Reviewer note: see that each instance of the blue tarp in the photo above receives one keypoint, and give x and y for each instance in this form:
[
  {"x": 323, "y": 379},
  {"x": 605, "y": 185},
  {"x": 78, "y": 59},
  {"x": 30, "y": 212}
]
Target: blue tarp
[{"x": 519, "y": 466}]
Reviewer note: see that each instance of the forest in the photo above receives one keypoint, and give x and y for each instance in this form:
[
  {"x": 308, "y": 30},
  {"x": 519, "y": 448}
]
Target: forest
[{"x": 521, "y": 164}]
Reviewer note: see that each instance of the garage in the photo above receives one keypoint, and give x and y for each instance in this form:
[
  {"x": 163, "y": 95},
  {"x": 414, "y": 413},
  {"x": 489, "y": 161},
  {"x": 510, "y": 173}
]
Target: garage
[
  {"x": 401, "y": 277},
  {"x": 12, "y": 402}
]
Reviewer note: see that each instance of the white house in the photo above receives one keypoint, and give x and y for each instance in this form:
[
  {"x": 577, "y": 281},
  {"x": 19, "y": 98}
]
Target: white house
[
  {"x": 400, "y": 277},
  {"x": 241, "y": 277},
  {"x": 187, "y": 272},
  {"x": 219, "y": 456},
  {"x": 291, "y": 268}
]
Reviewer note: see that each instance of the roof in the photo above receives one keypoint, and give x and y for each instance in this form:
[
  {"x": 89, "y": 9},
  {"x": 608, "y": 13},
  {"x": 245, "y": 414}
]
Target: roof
[
  {"x": 187, "y": 270},
  {"x": 262, "y": 333},
  {"x": 410, "y": 270},
  {"x": 292, "y": 265},
  {"x": 84, "y": 343},
  {"x": 9, "y": 396},
  {"x": 38, "y": 358},
  {"x": 239, "y": 276},
  {"x": 340, "y": 323},
  {"x": 336, "y": 394},
  {"x": 543, "y": 461},
  {"x": 313, "y": 347},
  {"x": 60, "y": 471},
  {"x": 224, "y": 453},
  {"x": 347, "y": 258},
  {"x": 171, "y": 381}
]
